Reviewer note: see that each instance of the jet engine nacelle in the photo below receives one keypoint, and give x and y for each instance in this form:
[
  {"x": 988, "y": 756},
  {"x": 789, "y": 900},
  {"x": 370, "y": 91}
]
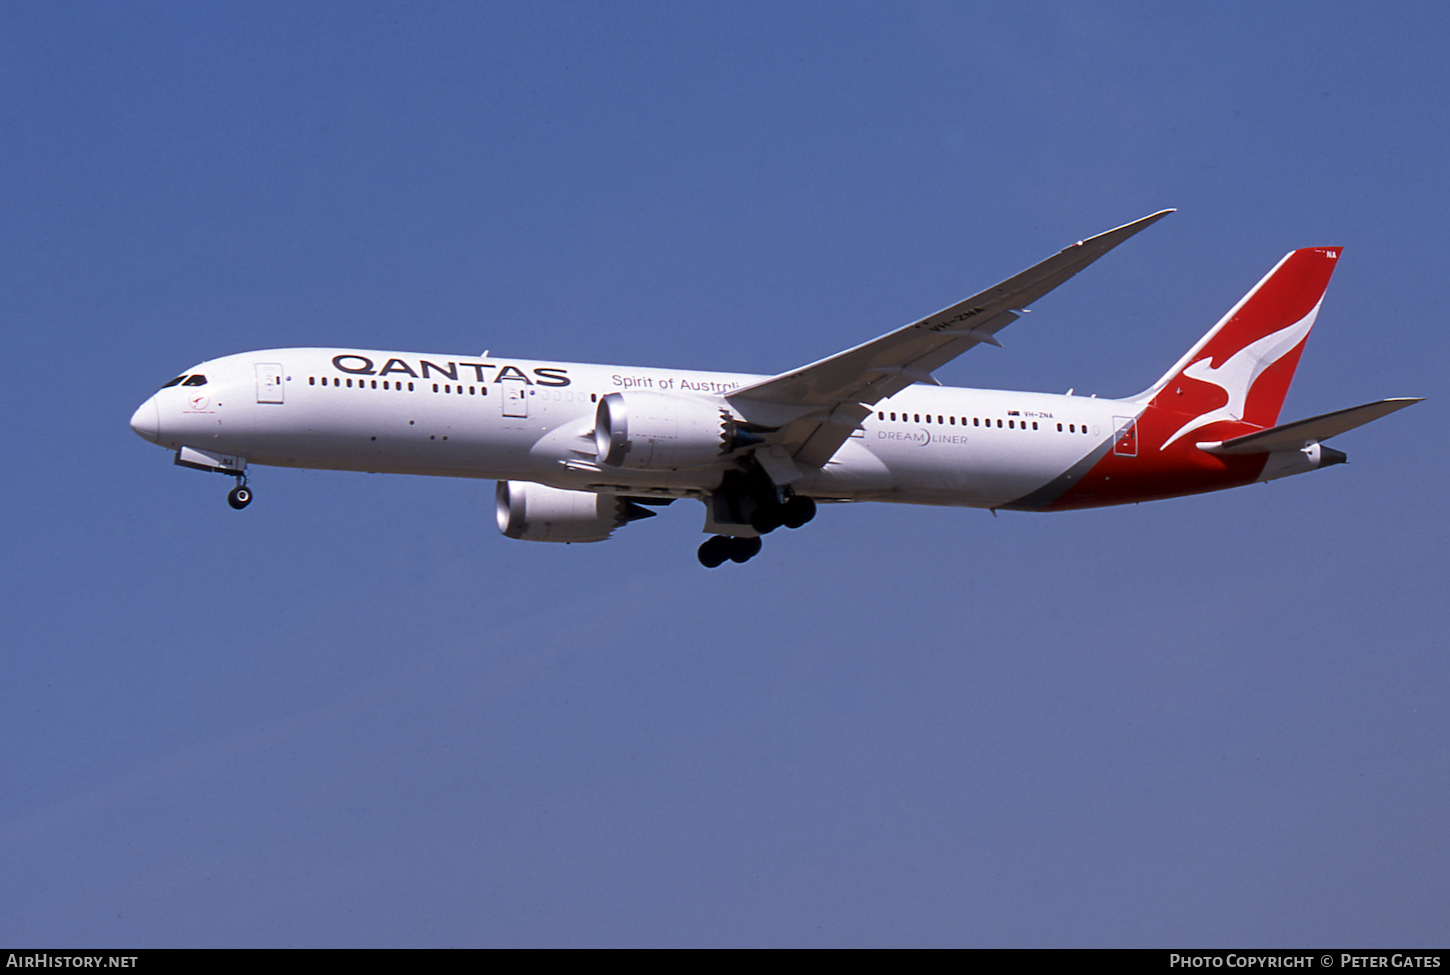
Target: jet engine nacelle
[
  {"x": 664, "y": 432},
  {"x": 537, "y": 513}
]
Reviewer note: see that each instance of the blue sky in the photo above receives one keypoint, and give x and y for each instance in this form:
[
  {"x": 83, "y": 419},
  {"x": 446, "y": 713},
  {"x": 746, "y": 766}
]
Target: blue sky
[{"x": 354, "y": 714}]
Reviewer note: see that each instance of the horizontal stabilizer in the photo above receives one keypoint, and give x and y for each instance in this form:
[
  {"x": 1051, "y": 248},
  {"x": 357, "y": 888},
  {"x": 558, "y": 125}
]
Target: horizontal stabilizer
[{"x": 1302, "y": 433}]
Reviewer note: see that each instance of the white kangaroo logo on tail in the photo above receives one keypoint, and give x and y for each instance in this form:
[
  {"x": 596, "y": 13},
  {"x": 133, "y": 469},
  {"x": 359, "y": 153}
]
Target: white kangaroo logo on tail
[{"x": 1241, "y": 370}]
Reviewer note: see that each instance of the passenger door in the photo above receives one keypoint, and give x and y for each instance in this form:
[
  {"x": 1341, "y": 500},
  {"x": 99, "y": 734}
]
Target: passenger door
[
  {"x": 516, "y": 400},
  {"x": 269, "y": 382},
  {"x": 1125, "y": 436}
]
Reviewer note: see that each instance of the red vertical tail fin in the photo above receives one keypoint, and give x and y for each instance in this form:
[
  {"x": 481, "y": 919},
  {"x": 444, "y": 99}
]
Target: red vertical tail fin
[{"x": 1241, "y": 370}]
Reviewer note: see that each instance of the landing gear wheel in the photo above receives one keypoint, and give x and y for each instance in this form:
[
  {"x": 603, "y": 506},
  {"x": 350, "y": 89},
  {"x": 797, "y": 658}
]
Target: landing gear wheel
[
  {"x": 798, "y": 511},
  {"x": 744, "y": 549},
  {"x": 714, "y": 551},
  {"x": 239, "y": 497},
  {"x": 718, "y": 549},
  {"x": 766, "y": 518}
]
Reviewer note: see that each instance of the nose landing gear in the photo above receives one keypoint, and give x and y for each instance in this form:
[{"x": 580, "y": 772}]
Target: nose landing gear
[{"x": 241, "y": 495}]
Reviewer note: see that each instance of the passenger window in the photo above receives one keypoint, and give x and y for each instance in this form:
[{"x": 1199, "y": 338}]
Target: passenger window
[
  {"x": 312, "y": 380},
  {"x": 999, "y": 424}
]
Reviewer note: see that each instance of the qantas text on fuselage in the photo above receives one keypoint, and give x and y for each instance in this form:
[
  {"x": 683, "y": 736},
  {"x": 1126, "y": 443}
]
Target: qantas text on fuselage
[{"x": 579, "y": 449}]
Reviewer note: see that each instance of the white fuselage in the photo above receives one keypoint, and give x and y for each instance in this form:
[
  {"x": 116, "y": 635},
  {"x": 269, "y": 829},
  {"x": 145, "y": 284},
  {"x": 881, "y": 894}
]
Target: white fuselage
[{"x": 469, "y": 416}]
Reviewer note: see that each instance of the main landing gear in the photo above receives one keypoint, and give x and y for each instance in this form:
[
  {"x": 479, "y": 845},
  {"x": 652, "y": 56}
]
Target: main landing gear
[
  {"x": 241, "y": 495},
  {"x": 717, "y": 549},
  {"x": 794, "y": 512}
]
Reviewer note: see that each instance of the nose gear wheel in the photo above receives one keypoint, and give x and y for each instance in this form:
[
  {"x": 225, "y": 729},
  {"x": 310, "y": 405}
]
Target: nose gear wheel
[{"x": 241, "y": 495}]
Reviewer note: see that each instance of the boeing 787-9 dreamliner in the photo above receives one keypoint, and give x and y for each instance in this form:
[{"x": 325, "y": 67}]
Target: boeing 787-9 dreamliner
[{"x": 579, "y": 450}]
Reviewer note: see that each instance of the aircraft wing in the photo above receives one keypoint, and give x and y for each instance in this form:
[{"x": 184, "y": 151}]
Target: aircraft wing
[{"x": 844, "y": 386}]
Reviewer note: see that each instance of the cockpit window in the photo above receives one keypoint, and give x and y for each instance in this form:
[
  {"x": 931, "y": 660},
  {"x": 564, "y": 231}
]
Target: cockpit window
[
  {"x": 174, "y": 382},
  {"x": 195, "y": 381}
]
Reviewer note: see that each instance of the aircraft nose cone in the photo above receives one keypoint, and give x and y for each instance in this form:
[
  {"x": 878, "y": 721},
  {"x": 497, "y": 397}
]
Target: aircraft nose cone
[{"x": 146, "y": 421}]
